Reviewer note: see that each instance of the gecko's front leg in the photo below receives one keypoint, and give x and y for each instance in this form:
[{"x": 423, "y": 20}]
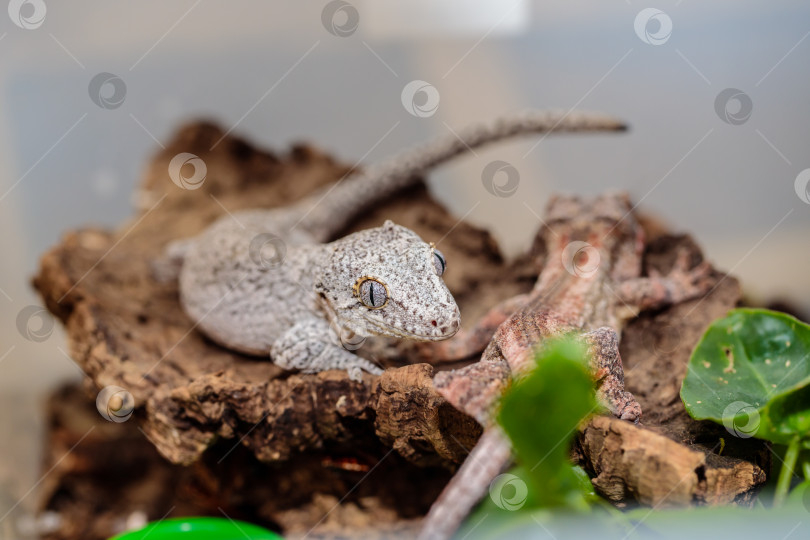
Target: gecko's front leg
[
  {"x": 475, "y": 389},
  {"x": 310, "y": 346},
  {"x": 607, "y": 369}
]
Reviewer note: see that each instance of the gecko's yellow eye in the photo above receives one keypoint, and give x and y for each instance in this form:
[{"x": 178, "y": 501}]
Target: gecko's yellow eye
[
  {"x": 371, "y": 292},
  {"x": 439, "y": 262}
]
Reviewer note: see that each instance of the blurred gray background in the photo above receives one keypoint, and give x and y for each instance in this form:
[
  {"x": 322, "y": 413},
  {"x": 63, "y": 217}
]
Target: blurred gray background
[{"x": 275, "y": 73}]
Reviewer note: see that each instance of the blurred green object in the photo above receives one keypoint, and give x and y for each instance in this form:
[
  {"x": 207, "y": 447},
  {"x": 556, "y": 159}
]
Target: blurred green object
[
  {"x": 540, "y": 414},
  {"x": 199, "y": 528}
]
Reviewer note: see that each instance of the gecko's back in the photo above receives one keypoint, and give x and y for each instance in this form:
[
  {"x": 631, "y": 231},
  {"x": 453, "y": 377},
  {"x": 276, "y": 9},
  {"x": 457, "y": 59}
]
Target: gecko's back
[{"x": 249, "y": 275}]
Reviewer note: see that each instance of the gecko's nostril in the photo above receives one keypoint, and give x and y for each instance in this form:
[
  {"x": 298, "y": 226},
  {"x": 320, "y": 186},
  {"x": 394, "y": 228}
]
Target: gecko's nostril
[
  {"x": 444, "y": 329},
  {"x": 434, "y": 323}
]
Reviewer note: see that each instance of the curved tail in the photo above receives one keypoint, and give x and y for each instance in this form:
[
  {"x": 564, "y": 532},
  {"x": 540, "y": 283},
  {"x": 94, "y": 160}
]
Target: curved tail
[
  {"x": 328, "y": 210},
  {"x": 490, "y": 457}
]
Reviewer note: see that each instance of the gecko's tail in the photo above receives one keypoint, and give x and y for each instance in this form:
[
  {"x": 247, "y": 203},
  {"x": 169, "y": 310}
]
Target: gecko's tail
[
  {"x": 334, "y": 207},
  {"x": 490, "y": 457}
]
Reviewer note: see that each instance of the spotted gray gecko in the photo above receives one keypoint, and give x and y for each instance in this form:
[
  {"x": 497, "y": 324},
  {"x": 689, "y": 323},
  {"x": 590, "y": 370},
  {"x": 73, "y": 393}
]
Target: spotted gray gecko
[
  {"x": 591, "y": 283},
  {"x": 269, "y": 281}
]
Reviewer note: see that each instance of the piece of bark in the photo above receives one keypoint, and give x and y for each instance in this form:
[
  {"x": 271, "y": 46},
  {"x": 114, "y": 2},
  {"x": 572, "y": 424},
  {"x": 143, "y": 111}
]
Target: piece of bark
[
  {"x": 636, "y": 463},
  {"x": 279, "y": 418},
  {"x": 126, "y": 329},
  {"x": 105, "y": 477}
]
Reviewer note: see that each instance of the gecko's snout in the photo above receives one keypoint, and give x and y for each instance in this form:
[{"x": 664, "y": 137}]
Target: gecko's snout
[
  {"x": 444, "y": 323},
  {"x": 451, "y": 329}
]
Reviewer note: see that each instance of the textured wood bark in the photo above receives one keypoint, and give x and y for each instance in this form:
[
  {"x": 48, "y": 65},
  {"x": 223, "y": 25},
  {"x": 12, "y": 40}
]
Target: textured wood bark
[
  {"x": 113, "y": 478},
  {"x": 636, "y": 463},
  {"x": 126, "y": 329}
]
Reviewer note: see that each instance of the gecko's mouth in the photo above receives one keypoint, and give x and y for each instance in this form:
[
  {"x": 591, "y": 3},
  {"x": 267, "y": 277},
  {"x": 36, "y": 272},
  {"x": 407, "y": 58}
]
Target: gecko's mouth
[{"x": 385, "y": 330}]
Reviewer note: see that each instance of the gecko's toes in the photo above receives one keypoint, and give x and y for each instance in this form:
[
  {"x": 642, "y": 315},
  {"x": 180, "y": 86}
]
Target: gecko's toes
[
  {"x": 374, "y": 370},
  {"x": 355, "y": 374},
  {"x": 631, "y": 411}
]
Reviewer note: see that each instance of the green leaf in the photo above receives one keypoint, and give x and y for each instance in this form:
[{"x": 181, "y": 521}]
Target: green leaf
[
  {"x": 751, "y": 373},
  {"x": 584, "y": 484},
  {"x": 800, "y": 496},
  {"x": 540, "y": 414}
]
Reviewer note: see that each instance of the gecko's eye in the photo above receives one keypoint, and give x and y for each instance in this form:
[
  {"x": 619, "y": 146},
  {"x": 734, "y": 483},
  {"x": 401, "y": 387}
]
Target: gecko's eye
[
  {"x": 371, "y": 292},
  {"x": 439, "y": 262}
]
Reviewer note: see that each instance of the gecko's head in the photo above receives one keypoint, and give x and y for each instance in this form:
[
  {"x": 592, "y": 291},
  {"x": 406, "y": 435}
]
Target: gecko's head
[{"x": 387, "y": 281}]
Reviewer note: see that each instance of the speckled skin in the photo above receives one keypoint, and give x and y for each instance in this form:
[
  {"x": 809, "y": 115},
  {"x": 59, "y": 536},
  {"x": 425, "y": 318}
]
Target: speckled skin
[
  {"x": 593, "y": 303},
  {"x": 236, "y": 301},
  {"x": 299, "y": 303}
]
